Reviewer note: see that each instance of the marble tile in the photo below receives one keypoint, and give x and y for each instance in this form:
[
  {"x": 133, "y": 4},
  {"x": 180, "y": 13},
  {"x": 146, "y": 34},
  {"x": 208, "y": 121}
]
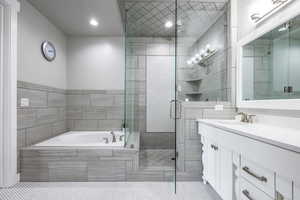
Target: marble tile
[
  {"x": 56, "y": 100},
  {"x": 93, "y": 113},
  {"x": 78, "y": 100},
  {"x": 36, "y": 98},
  {"x": 46, "y": 115},
  {"x": 102, "y": 100},
  {"x": 106, "y": 171},
  {"x": 26, "y": 118},
  {"x": 59, "y": 127},
  {"x": 37, "y": 134},
  {"x": 85, "y": 125}
]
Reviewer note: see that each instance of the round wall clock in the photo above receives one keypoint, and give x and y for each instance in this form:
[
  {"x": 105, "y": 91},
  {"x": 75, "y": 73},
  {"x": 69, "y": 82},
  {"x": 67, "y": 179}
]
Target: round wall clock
[{"x": 48, "y": 51}]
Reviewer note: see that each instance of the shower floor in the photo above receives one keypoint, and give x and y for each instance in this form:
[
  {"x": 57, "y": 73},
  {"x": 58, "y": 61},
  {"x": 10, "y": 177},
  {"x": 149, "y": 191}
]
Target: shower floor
[
  {"x": 157, "y": 159},
  {"x": 155, "y": 165}
]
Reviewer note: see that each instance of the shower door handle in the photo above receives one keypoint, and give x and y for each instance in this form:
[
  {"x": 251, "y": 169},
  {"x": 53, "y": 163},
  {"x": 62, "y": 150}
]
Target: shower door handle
[
  {"x": 171, "y": 108},
  {"x": 178, "y": 105}
]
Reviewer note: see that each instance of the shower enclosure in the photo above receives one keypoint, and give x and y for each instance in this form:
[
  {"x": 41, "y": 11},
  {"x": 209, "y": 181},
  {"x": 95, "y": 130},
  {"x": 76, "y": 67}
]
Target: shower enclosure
[{"x": 162, "y": 38}]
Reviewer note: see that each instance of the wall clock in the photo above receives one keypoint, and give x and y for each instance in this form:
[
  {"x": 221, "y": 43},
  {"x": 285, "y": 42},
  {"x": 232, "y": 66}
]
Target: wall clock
[{"x": 48, "y": 51}]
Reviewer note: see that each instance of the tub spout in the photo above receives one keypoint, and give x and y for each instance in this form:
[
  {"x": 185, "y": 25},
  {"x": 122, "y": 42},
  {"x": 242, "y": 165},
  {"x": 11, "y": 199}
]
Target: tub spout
[{"x": 114, "y": 139}]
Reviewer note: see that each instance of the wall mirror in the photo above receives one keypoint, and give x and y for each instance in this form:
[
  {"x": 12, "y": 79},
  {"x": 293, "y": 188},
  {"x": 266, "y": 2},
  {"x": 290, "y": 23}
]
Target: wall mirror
[{"x": 269, "y": 70}]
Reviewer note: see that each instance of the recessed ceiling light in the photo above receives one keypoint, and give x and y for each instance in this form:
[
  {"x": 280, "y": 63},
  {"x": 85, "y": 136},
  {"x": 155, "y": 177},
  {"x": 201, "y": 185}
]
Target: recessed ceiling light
[
  {"x": 168, "y": 24},
  {"x": 94, "y": 22}
]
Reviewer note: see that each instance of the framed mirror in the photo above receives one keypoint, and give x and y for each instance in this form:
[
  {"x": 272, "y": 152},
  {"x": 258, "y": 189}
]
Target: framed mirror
[{"x": 269, "y": 68}]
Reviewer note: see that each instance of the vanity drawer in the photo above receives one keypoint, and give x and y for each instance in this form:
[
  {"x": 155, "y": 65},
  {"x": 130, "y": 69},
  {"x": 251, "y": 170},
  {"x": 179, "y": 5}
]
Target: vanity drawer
[
  {"x": 262, "y": 178},
  {"x": 250, "y": 192}
]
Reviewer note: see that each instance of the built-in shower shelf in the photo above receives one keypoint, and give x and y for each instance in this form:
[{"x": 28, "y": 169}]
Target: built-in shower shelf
[
  {"x": 193, "y": 93},
  {"x": 193, "y": 80}
]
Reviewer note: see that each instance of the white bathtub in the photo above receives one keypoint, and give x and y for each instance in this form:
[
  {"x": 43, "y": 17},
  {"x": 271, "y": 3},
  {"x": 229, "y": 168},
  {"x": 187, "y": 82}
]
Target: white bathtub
[{"x": 85, "y": 138}]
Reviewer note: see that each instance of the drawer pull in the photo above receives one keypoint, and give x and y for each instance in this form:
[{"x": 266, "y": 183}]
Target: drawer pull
[
  {"x": 247, "y": 194},
  {"x": 214, "y": 147},
  {"x": 261, "y": 178}
]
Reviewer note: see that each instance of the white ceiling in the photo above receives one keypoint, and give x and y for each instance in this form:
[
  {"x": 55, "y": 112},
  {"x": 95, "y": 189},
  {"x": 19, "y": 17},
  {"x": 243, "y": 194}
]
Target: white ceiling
[{"x": 72, "y": 16}]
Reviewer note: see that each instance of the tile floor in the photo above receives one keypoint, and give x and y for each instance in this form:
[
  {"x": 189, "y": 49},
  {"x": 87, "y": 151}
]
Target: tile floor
[{"x": 109, "y": 191}]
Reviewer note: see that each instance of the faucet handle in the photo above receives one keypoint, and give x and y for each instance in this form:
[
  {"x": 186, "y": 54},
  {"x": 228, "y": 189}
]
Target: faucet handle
[
  {"x": 244, "y": 116},
  {"x": 121, "y": 137},
  {"x": 106, "y": 140},
  {"x": 251, "y": 118}
]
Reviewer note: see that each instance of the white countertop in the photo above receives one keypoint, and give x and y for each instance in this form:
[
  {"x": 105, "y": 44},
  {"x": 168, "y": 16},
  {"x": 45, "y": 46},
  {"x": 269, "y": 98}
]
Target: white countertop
[{"x": 287, "y": 138}]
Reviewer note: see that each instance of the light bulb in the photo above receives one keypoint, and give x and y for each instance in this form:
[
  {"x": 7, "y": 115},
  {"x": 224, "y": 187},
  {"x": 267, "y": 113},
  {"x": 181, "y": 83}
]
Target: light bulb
[
  {"x": 189, "y": 62},
  {"x": 208, "y": 48},
  {"x": 168, "y": 24},
  {"x": 94, "y": 22}
]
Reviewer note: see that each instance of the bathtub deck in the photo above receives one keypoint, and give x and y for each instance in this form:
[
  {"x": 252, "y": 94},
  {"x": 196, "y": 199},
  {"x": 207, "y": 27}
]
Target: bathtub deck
[{"x": 77, "y": 164}]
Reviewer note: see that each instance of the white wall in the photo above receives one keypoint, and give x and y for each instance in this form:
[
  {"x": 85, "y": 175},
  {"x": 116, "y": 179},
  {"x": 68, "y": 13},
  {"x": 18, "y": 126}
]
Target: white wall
[
  {"x": 95, "y": 63},
  {"x": 34, "y": 28}
]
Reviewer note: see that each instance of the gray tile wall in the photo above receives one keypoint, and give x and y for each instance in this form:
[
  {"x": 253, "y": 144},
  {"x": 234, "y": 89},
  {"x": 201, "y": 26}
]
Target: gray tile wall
[
  {"x": 214, "y": 84},
  {"x": 94, "y": 109},
  {"x": 44, "y": 117},
  {"x": 138, "y": 49},
  {"x": 78, "y": 165},
  {"x": 53, "y": 111}
]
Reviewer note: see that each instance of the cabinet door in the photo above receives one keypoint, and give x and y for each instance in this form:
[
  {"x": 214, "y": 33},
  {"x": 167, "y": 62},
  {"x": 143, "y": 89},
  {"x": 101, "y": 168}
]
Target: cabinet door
[
  {"x": 296, "y": 191},
  {"x": 226, "y": 173},
  {"x": 284, "y": 188},
  {"x": 210, "y": 162}
]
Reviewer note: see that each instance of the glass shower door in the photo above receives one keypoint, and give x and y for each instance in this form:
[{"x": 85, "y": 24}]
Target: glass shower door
[{"x": 150, "y": 91}]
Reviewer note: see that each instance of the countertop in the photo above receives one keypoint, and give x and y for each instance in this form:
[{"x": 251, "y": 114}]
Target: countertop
[{"x": 286, "y": 138}]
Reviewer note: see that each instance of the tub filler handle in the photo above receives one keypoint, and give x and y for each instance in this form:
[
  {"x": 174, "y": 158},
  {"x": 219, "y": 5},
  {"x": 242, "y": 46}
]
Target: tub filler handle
[
  {"x": 114, "y": 139},
  {"x": 106, "y": 140},
  {"x": 121, "y": 138}
]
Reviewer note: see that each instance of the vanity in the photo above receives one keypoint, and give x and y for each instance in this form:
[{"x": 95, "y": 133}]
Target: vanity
[{"x": 246, "y": 161}]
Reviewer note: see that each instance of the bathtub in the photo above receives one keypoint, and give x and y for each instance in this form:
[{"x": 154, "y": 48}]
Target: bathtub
[
  {"x": 84, "y": 139},
  {"x": 81, "y": 156}
]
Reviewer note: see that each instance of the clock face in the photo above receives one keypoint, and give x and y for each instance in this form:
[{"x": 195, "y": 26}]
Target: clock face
[{"x": 48, "y": 51}]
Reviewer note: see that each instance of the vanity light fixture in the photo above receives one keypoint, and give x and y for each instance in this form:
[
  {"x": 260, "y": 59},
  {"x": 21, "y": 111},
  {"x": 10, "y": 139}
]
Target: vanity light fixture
[
  {"x": 169, "y": 24},
  {"x": 94, "y": 22},
  {"x": 208, "y": 48},
  {"x": 198, "y": 56},
  {"x": 285, "y": 27},
  {"x": 278, "y": 1},
  {"x": 267, "y": 8},
  {"x": 203, "y": 54},
  {"x": 255, "y": 16}
]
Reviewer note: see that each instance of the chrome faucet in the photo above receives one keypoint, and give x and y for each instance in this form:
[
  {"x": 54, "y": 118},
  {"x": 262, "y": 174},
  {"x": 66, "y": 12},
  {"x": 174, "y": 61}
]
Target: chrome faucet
[
  {"x": 246, "y": 117},
  {"x": 121, "y": 138},
  {"x": 114, "y": 139}
]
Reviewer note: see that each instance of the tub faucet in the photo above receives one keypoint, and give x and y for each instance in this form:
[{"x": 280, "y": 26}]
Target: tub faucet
[
  {"x": 106, "y": 140},
  {"x": 121, "y": 138},
  {"x": 114, "y": 139}
]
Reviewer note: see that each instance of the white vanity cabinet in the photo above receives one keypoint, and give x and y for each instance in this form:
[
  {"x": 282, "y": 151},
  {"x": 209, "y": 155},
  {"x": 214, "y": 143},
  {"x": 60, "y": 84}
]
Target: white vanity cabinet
[
  {"x": 218, "y": 170},
  {"x": 241, "y": 167},
  {"x": 296, "y": 191}
]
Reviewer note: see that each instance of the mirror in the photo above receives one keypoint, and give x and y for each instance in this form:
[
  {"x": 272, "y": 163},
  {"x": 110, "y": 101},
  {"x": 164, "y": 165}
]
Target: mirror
[{"x": 271, "y": 64}]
